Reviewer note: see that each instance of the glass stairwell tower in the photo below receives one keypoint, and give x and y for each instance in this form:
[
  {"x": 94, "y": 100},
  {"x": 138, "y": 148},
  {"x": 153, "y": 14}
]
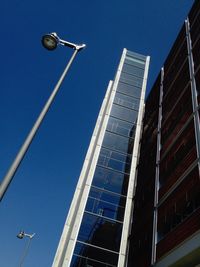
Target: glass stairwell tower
[{"x": 97, "y": 227}]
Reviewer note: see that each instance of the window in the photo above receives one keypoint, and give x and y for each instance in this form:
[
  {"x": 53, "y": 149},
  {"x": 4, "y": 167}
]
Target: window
[
  {"x": 121, "y": 127},
  {"x": 106, "y": 204},
  {"x": 130, "y": 79},
  {"x": 100, "y": 232},
  {"x": 124, "y": 113},
  {"x": 131, "y": 69},
  {"x": 181, "y": 204},
  {"x": 85, "y": 255},
  {"x": 114, "y": 160},
  {"x": 110, "y": 180},
  {"x": 179, "y": 157},
  {"x": 126, "y": 101},
  {"x": 119, "y": 143},
  {"x": 129, "y": 89}
]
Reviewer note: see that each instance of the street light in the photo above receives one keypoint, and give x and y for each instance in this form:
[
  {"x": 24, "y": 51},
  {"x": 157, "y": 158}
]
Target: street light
[
  {"x": 21, "y": 235},
  {"x": 50, "y": 42}
]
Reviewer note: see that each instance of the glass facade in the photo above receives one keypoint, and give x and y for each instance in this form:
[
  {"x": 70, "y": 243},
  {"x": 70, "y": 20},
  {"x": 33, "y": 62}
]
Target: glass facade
[
  {"x": 102, "y": 222},
  {"x": 100, "y": 199}
]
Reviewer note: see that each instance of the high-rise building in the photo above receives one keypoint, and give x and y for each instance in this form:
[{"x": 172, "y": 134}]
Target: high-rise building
[
  {"x": 166, "y": 218},
  {"x": 98, "y": 224},
  {"x": 137, "y": 202}
]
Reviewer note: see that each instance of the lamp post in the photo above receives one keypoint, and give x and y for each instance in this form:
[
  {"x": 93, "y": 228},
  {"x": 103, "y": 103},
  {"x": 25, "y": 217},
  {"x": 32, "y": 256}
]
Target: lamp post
[
  {"x": 50, "y": 42},
  {"x": 21, "y": 235}
]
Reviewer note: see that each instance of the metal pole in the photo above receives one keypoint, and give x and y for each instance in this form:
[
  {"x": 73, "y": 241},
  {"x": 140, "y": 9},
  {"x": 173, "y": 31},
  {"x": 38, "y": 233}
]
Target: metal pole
[
  {"x": 13, "y": 168},
  {"x": 25, "y": 252}
]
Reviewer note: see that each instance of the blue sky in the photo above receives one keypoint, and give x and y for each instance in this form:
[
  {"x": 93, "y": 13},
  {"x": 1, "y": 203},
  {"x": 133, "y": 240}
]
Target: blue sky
[{"x": 40, "y": 194}]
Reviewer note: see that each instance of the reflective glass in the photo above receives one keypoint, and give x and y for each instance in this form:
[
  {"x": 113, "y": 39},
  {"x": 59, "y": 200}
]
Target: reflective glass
[
  {"x": 136, "y": 56},
  {"x": 106, "y": 204},
  {"x": 137, "y": 64},
  {"x": 110, "y": 180},
  {"x": 100, "y": 232},
  {"x": 133, "y": 70},
  {"x": 106, "y": 196},
  {"x": 124, "y": 113},
  {"x": 114, "y": 160},
  {"x": 126, "y": 101},
  {"x": 91, "y": 261},
  {"x": 135, "y": 60},
  {"x": 129, "y": 89},
  {"x": 117, "y": 142},
  {"x": 121, "y": 127},
  {"x": 131, "y": 79}
]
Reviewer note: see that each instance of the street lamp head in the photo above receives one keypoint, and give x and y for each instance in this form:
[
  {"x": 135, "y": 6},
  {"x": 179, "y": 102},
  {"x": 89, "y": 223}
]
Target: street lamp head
[
  {"x": 20, "y": 235},
  {"x": 50, "y": 41}
]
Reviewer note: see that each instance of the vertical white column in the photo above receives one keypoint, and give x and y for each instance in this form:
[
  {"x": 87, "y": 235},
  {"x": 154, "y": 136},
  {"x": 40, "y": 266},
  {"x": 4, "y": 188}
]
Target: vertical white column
[
  {"x": 155, "y": 213},
  {"x": 193, "y": 90},
  {"x": 72, "y": 224}
]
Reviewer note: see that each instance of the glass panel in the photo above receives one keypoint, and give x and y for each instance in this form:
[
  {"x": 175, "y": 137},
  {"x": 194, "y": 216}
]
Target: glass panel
[
  {"x": 100, "y": 232},
  {"x": 126, "y": 101},
  {"x": 117, "y": 142},
  {"x": 103, "y": 195},
  {"x": 96, "y": 258},
  {"x": 114, "y": 160},
  {"x": 133, "y": 70},
  {"x": 124, "y": 113},
  {"x": 179, "y": 114},
  {"x": 183, "y": 201},
  {"x": 106, "y": 204},
  {"x": 135, "y": 60},
  {"x": 134, "y": 63},
  {"x": 136, "y": 56},
  {"x": 178, "y": 158},
  {"x": 133, "y": 80},
  {"x": 121, "y": 127},
  {"x": 110, "y": 180},
  {"x": 129, "y": 89}
]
